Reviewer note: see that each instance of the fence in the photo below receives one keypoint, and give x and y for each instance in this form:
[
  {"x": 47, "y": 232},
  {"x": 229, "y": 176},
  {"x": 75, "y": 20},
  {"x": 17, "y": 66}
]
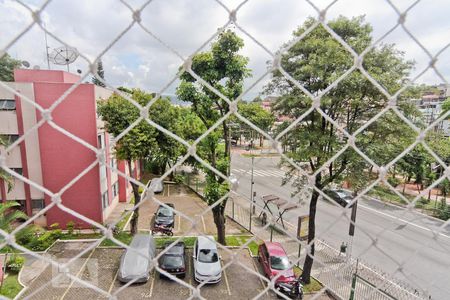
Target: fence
[
  {"x": 369, "y": 284},
  {"x": 339, "y": 274}
]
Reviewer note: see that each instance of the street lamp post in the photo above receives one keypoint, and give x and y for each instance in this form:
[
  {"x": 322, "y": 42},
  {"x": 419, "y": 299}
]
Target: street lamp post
[{"x": 252, "y": 205}]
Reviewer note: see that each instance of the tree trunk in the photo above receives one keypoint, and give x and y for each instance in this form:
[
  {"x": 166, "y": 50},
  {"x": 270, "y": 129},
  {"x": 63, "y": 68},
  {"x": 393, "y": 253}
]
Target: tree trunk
[
  {"x": 307, "y": 266},
  {"x": 137, "y": 199},
  {"x": 261, "y": 140},
  {"x": 219, "y": 220}
]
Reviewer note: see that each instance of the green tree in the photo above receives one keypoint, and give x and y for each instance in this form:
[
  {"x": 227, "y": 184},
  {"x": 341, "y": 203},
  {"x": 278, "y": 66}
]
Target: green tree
[
  {"x": 9, "y": 214},
  {"x": 224, "y": 69},
  {"x": 7, "y": 66},
  {"x": 316, "y": 62},
  {"x": 254, "y": 112},
  {"x": 446, "y": 107},
  {"x": 118, "y": 114},
  {"x": 100, "y": 73},
  {"x": 166, "y": 115},
  {"x": 4, "y": 176}
]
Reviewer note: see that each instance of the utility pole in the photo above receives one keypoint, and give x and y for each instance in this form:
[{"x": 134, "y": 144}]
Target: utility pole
[{"x": 351, "y": 230}]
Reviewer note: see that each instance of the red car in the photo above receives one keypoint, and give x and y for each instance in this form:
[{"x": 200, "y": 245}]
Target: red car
[{"x": 275, "y": 260}]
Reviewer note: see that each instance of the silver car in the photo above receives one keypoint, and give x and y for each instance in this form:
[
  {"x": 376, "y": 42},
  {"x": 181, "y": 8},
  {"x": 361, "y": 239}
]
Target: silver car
[
  {"x": 207, "y": 267},
  {"x": 133, "y": 266},
  {"x": 156, "y": 185}
]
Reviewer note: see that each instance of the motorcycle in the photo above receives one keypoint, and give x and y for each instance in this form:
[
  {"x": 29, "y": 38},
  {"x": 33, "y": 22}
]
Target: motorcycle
[
  {"x": 293, "y": 290},
  {"x": 164, "y": 229}
]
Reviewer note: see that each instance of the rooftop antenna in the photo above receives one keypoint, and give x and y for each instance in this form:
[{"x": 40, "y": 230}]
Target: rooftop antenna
[
  {"x": 46, "y": 44},
  {"x": 63, "y": 56}
]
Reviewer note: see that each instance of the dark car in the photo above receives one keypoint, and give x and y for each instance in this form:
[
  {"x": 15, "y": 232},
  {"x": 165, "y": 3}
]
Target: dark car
[
  {"x": 342, "y": 197},
  {"x": 174, "y": 260},
  {"x": 164, "y": 216},
  {"x": 134, "y": 266}
]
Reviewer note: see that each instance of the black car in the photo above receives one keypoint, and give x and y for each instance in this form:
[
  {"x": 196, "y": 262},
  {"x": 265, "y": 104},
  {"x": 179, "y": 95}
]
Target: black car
[
  {"x": 164, "y": 216},
  {"x": 174, "y": 260},
  {"x": 342, "y": 197}
]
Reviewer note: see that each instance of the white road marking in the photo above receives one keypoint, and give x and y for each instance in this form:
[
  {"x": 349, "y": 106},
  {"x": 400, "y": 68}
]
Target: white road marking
[
  {"x": 401, "y": 220},
  {"x": 226, "y": 280},
  {"x": 78, "y": 274},
  {"x": 153, "y": 281},
  {"x": 204, "y": 226},
  {"x": 112, "y": 283}
]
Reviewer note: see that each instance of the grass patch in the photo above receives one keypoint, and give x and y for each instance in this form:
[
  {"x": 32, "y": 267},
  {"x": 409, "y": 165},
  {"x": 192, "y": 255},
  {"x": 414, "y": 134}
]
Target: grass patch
[
  {"x": 123, "y": 220},
  {"x": 312, "y": 287},
  {"x": 238, "y": 240},
  {"x": 124, "y": 237},
  {"x": 11, "y": 286},
  {"x": 386, "y": 195}
]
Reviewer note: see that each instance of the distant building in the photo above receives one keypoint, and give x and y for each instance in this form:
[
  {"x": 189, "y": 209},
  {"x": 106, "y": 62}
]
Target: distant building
[
  {"x": 49, "y": 157},
  {"x": 430, "y": 105}
]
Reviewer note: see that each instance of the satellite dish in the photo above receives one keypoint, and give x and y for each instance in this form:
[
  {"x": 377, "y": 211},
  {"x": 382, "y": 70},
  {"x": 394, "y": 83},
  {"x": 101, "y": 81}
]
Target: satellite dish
[
  {"x": 36, "y": 67},
  {"x": 25, "y": 64},
  {"x": 63, "y": 56}
]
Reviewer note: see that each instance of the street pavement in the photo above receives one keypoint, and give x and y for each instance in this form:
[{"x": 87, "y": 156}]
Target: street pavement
[{"x": 386, "y": 236}]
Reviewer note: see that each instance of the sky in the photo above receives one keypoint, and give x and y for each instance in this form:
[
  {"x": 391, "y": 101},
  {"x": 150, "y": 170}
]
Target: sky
[{"x": 137, "y": 59}]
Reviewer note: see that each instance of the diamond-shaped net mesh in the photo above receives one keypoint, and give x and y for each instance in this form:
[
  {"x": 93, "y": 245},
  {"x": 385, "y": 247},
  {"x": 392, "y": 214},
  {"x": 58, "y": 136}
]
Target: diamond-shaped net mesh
[{"x": 89, "y": 267}]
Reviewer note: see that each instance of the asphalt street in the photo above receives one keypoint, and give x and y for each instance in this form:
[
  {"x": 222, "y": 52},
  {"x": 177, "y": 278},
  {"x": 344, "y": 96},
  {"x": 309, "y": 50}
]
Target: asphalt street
[{"x": 386, "y": 236}]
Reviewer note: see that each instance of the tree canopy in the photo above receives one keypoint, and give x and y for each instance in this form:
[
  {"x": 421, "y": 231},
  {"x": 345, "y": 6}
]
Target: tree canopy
[
  {"x": 224, "y": 69},
  {"x": 316, "y": 62},
  {"x": 7, "y": 66}
]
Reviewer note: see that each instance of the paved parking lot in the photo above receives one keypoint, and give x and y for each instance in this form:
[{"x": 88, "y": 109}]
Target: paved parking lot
[
  {"x": 99, "y": 267},
  {"x": 188, "y": 203}
]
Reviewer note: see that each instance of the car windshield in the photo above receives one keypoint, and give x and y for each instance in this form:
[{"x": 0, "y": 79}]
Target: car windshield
[
  {"x": 164, "y": 212},
  {"x": 344, "y": 194},
  {"x": 208, "y": 256},
  {"x": 172, "y": 261},
  {"x": 279, "y": 262}
]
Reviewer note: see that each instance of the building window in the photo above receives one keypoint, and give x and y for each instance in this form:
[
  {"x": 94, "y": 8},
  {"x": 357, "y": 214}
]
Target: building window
[
  {"x": 113, "y": 163},
  {"x": 115, "y": 189},
  {"x": 37, "y": 203},
  {"x": 18, "y": 170},
  {"x": 105, "y": 200},
  {"x": 22, "y": 206},
  {"x": 9, "y": 138},
  {"x": 7, "y": 104}
]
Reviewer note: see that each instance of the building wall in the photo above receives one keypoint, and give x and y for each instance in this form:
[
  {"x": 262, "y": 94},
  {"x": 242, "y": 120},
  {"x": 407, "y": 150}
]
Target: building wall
[{"x": 63, "y": 158}]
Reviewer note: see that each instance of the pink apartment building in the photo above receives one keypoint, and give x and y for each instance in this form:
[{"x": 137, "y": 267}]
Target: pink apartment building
[{"x": 49, "y": 157}]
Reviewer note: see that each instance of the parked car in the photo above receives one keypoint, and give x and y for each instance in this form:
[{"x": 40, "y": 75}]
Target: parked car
[
  {"x": 342, "y": 197},
  {"x": 133, "y": 266},
  {"x": 174, "y": 260},
  {"x": 275, "y": 261},
  {"x": 164, "y": 219},
  {"x": 156, "y": 185},
  {"x": 207, "y": 267}
]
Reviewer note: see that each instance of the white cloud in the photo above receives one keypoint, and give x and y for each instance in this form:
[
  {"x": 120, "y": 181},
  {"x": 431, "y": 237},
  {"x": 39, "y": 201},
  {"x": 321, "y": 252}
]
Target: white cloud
[{"x": 137, "y": 59}]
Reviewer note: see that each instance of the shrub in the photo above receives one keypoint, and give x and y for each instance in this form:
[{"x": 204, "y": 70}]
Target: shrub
[
  {"x": 70, "y": 226},
  {"x": 393, "y": 181},
  {"x": 54, "y": 226},
  {"x": 15, "y": 263},
  {"x": 29, "y": 233}
]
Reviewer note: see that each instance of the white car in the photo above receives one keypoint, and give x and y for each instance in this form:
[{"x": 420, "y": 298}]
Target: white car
[
  {"x": 156, "y": 185},
  {"x": 207, "y": 267}
]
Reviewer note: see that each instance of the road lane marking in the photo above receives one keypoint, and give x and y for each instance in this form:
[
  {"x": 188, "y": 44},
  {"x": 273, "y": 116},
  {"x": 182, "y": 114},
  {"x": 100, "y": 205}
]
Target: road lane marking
[
  {"x": 259, "y": 277},
  {"x": 168, "y": 190},
  {"x": 114, "y": 280},
  {"x": 226, "y": 280},
  {"x": 179, "y": 224},
  {"x": 401, "y": 220},
  {"x": 190, "y": 275},
  {"x": 78, "y": 274},
  {"x": 151, "y": 284}
]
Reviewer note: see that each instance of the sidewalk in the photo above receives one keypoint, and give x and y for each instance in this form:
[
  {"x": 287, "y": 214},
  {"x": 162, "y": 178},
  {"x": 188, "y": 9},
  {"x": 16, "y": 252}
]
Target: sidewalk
[{"x": 330, "y": 266}]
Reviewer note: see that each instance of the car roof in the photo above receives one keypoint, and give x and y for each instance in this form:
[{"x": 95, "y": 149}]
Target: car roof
[
  {"x": 175, "y": 249},
  {"x": 206, "y": 242},
  {"x": 275, "y": 248}
]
